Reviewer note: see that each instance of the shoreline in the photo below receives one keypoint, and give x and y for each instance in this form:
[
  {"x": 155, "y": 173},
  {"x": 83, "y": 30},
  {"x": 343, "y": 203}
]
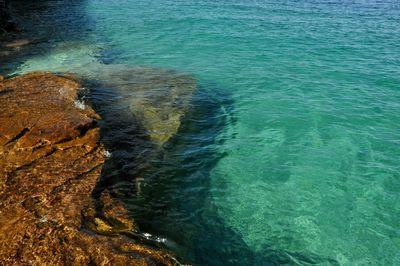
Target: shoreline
[
  {"x": 51, "y": 159},
  {"x": 83, "y": 229}
]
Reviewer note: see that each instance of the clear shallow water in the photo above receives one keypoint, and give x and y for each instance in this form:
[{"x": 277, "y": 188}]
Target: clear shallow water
[{"x": 291, "y": 151}]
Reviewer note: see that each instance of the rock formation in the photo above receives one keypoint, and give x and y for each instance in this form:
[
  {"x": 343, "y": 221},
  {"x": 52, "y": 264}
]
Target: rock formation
[
  {"x": 157, "y": 98},
  {"x": 50, "y": 161}
]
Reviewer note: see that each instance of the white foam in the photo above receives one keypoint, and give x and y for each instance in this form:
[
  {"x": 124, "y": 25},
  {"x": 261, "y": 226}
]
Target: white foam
[
  {"x": 154, "y": 238},
  {"x": 107, "y": 154},
  {"x": 80, "y": 104}
]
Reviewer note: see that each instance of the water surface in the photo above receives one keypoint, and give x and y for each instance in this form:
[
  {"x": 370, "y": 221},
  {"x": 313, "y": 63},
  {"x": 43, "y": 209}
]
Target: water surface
[{"x": 290, "y": 153}]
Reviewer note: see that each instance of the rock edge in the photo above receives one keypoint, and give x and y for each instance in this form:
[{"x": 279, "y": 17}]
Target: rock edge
[{"x": 50, "y": 161}]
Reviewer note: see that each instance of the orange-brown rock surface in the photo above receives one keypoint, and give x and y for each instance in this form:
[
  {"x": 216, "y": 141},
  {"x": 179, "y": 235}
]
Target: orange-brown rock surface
[{"x": 50, "y": 161}]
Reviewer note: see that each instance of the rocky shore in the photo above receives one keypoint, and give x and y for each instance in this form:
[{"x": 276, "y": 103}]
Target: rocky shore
[{"x": 51, "y": 159}]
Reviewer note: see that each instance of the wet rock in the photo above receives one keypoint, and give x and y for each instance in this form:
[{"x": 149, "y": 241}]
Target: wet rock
[
  {"x": 116, "y": 214},
  {"x": 111, "y": 219},
  {"x": 50, "y": 162}
]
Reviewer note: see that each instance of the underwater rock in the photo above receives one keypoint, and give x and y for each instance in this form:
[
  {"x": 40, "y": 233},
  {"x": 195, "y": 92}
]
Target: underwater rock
[
  {"x": 50, "y": 161},
  {"x": 158, "y": 99},
  {"x": 17, "y": 44}
]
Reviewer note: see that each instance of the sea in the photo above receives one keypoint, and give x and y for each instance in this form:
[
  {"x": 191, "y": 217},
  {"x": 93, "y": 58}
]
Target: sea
[{"x": 289, "y": 152}]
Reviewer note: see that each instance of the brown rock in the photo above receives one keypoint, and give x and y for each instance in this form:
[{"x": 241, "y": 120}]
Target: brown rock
[{"x": 50, "y": 161}]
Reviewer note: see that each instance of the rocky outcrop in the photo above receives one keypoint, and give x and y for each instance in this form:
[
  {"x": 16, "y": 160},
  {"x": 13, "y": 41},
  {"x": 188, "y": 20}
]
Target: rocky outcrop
[{"x": 50, "y": 161}]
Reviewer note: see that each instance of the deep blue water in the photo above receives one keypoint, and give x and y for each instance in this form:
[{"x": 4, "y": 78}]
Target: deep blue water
[{"x": 290, "y": 153}]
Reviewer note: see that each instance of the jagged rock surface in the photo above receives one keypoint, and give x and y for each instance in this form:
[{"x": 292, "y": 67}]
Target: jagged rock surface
[{"x": 50, "y": 162}]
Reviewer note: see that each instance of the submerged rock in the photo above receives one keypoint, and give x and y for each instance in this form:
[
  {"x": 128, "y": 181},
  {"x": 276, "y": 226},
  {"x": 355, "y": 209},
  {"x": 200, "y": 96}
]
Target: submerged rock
[
  {"x": 157, "y": 98},
  {"x": 50, "y": 162}
]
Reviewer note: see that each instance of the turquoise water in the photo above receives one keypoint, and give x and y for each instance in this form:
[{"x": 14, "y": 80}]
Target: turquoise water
[{"x": 291, "y": 153}]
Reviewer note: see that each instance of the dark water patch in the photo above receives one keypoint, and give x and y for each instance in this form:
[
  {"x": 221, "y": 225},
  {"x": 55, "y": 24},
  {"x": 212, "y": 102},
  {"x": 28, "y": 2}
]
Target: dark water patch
[
  {"x": 177, "y": 201},
  {"x": 45, "y": 24},
  {"x": 164, "y": 172},
  {"x": 122, "y": 136},
  {"x": 55, "y": 20}
]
